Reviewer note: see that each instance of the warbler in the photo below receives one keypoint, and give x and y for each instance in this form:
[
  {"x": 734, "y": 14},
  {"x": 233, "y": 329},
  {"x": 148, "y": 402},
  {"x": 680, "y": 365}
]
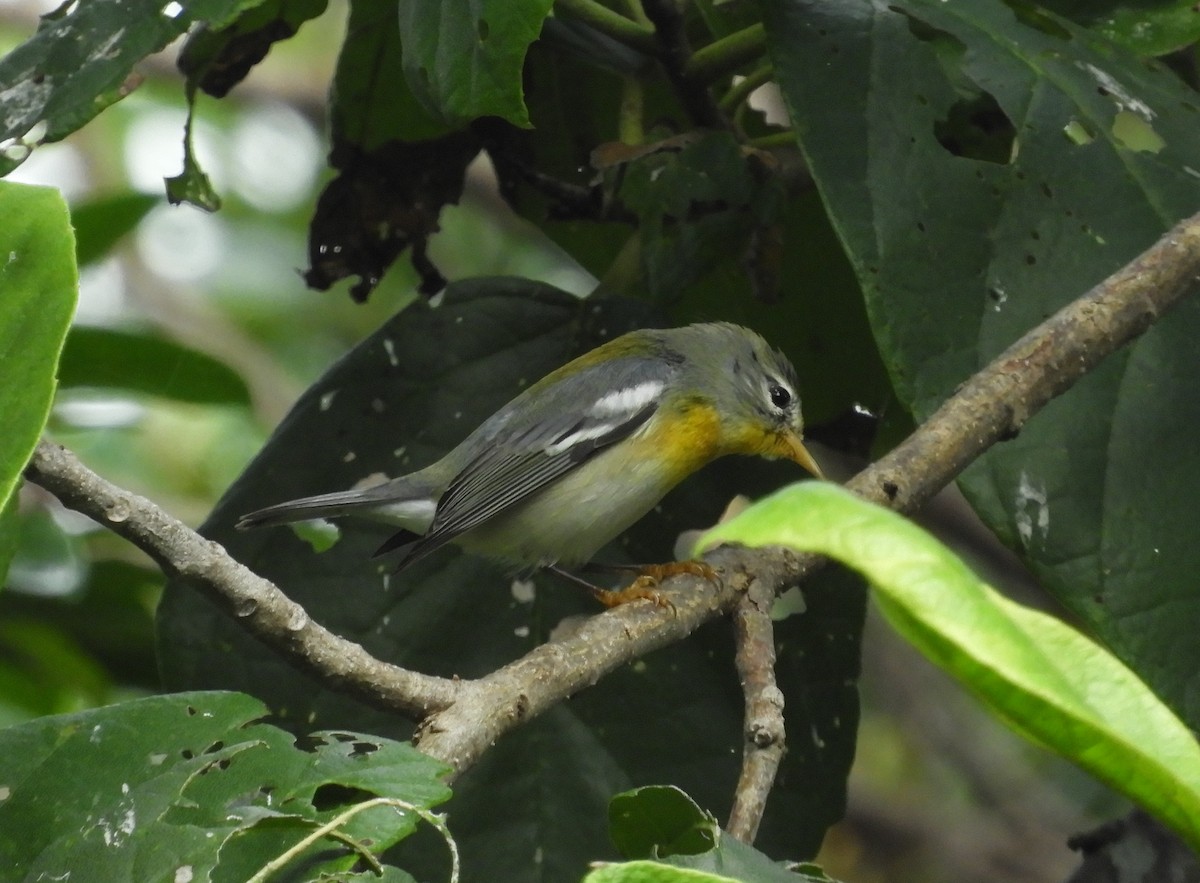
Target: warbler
[{"x": 582, "y": 454}]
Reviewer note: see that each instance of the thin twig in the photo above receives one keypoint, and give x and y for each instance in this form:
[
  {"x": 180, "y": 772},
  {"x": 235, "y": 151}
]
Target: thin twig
[{"x": 763, "y": 731}]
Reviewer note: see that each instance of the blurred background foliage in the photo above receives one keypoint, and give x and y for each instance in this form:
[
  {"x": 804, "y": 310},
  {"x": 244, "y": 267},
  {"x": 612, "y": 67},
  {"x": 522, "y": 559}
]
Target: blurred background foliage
[{"x": 219, "y": 335}]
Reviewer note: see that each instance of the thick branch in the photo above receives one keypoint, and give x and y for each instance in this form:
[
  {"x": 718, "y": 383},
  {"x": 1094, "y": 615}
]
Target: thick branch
[{"x": 257, "y": 604}]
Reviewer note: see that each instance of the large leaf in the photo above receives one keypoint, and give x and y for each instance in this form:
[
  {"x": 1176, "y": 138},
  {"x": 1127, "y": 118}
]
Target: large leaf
[
  {"x": 80, "y": 62},
  {"x": 983, "y": 170},
  {"x": 399, "y": 401},
  {"x": 128, "y": 361},
  {"x": 465, "y": 63},
  {"x": 1039, "y": 674},
  {"x": 38, "y": 287},
  {"x": 194, "y": 783}
]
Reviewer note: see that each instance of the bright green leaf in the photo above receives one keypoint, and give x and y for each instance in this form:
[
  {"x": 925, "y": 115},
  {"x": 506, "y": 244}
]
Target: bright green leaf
[
  {"x": 652, "y": 872},
  {"x": 464, "y": 61},
  {"x": 127, "y": 361},
  {"x": 38, "y": 287},
  {"x": 1041, "y": 676}
]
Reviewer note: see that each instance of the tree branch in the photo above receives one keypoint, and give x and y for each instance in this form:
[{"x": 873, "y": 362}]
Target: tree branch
[
  {"x": 764, "y": 746},
  {"x": 463, "y": 719},
  {"x": 257, "y": 604}
]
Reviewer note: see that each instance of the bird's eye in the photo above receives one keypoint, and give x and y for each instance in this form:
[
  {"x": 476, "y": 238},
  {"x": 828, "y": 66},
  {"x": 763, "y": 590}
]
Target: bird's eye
[{"x": 780, "y": 396}]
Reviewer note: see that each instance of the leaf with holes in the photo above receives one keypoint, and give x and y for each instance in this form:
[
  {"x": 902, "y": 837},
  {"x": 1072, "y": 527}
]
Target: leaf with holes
[
  {"x": 81, "y": 60},
  {"x": 144, "y": 790},
  {"x": 983, "y": 169}
]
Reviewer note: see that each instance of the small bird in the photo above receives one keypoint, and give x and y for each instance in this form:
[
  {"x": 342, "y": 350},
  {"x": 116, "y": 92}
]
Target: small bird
[{"x": 582, "y": 454}]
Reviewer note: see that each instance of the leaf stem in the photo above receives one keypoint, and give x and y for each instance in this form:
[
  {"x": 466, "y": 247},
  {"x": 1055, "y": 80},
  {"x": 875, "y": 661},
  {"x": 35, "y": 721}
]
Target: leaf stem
[
  {"x": 724, "y": 56},
  {"x": 744, "y": 88},
  {"x": 622, "y": 29}
]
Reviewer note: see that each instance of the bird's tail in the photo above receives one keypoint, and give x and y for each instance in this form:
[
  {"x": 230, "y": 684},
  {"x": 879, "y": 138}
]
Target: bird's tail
[{"x": 409, "y": 507}]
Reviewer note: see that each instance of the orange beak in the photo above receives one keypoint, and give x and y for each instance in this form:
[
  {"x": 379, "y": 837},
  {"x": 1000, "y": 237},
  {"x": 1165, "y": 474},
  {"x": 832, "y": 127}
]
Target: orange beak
[{"x": 793, "y": 448}]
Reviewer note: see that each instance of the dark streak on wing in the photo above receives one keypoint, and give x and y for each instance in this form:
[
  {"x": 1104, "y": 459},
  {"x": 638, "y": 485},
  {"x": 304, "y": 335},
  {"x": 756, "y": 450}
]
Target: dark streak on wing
[{"x": 507, "y": 473}]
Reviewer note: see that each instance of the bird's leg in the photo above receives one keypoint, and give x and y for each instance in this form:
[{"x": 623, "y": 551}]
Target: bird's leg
[
  {"x": 649, "y": 576},
  {"x": 613, "y": 597}
]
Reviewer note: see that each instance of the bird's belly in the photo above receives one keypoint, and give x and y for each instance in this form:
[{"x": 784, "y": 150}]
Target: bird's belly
[{"x": 569, "y": 521}]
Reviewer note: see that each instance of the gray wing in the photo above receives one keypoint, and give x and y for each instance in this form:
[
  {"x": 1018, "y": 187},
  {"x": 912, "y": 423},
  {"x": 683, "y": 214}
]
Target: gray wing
[{"x": 515, "y": 459}]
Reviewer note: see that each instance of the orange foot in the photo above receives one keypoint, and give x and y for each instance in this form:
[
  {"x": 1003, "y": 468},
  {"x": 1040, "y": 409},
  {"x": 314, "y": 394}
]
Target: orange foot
[{"x": 648, "y": 579}]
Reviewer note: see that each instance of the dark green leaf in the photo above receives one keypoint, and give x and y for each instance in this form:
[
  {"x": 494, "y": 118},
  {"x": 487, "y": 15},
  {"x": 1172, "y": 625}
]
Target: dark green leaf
[
  {"x": 217, "y": 59},
  {"x": 101, "y": 223},
  {"x": 746, "y": 864},
  {"x": 127, "y": 361},
  {"x": 465, "y": 63},
  {"x": 371, "y": 104},
  {"x": 40, "y": 283},
  {"x": 399, "y": 401},
  {"x": 1154, "y": 28},
  {"x": 139, "y": 790},
  {"x": 192, "y": 185},
  {"x": 79, "y": 63},
  {"x": 945, "y": 141},
  {"x": 699, "y": 201},
  {"x": 656, "y": 821}
]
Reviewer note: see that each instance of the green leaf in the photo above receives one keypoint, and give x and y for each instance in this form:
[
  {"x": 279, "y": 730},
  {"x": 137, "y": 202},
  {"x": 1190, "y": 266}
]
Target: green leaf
[
  {"x": 996, "y": 222},
  {"x": 401, "y": 400},
  {"x": 101, "y": 223},
  {"x": 463, "y": 64},
  {"x": 217, "y": 59},
  {"x": 1146, "y": 28},
  {"x": 39, "y": 284},
  {"x": 137, "y": 791},
  {"x": 80, "y": 62},
  {"x": 1040, "y": 675},
  {"x": 127, "y": 361},
  {"x": 371, "y": 103},
  {"x": 699, "y": 201},
  {"x": 652, "y": 872},
  {"x": 192, "y": 185},
  {"x": 656, "y": 821}
]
